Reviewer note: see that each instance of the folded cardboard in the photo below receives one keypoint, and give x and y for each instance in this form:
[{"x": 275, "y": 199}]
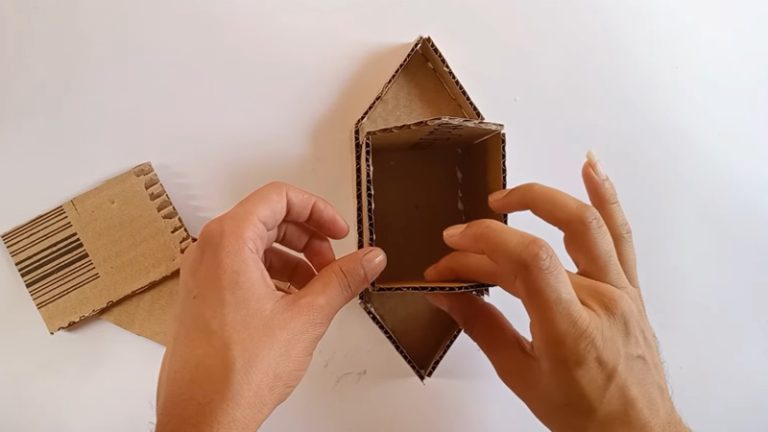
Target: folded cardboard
[
  {"x": 150, "y": 313},
  {"x": 99, "y": 248},
  {"x": 425, "y": 160}
]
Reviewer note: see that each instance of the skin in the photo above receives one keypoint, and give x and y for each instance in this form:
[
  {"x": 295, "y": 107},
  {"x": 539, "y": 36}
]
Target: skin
[
  {"x": 243, "y": 341},
  {"x": 593, "y": 363},
  {"x": 241, "y": 346}
]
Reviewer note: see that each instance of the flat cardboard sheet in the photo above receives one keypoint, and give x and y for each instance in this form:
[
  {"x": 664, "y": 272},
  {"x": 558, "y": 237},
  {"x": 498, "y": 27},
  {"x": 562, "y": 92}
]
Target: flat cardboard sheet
[{"x": 98, "y": 248}]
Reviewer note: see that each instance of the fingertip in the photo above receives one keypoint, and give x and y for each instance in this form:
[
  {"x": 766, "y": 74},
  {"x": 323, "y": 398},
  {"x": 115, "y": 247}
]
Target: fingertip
[
  {"x": 344, "y": 228},
  {"x": 594, "y": 165},
  {"x": 339, "y": 228},
  {"x": 453, "y": 231},
  {"x": 438, "y": 300},
  {"x": 432, "y": 273},
  {"x": 496, "y": 196}
]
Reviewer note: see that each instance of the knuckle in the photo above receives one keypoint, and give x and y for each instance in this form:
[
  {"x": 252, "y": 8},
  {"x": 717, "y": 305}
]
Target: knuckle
[
  {"x": 540, "y": 256},
  {"x": 482, "y": 225},
  {"x": 590, "y": 219},
  {"x": 347, "y": 279},
  {"x": 617, "y": 303},
  {"x": 532, "y": 187},
  {"x": 213, "y": 230},
  {"x": 275, "y": 185},
  {"x": 624, "y": 230}
]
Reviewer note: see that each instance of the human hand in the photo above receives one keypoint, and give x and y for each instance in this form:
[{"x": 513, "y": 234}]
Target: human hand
[
  {"x": 593, "y": 363},
  {"x": 241, "y": 346}
]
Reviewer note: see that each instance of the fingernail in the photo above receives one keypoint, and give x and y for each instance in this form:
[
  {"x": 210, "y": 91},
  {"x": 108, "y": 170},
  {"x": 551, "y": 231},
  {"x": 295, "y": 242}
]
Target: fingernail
[
  {"x": 594, "y": 163},
  {"x": 374, "y": 262},
  {"x": 454, "y": 230},
  {"x": 497, "y": 195}
]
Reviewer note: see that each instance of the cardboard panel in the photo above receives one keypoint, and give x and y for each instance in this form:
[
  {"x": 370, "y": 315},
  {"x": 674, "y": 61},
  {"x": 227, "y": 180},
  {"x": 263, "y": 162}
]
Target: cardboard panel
[
  {"x": 100, "y": 247},
  {"x": 422, "y": 87}
]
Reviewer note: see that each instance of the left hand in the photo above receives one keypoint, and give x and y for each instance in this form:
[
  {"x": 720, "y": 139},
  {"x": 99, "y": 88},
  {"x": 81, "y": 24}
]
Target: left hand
[{"x": 241, "y": 346}]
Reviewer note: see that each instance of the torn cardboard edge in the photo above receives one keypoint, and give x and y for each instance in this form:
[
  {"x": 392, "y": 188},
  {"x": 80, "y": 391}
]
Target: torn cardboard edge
[
  {"x": 422, "y": 86},
  {"x": 102, "y": 246}
]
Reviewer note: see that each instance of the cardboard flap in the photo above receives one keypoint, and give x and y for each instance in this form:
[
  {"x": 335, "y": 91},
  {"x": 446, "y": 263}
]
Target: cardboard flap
[
  {"x": 420, "y": 332},
  {"x": 150, "y": 313},
  {"x": 106, "y": 244}
]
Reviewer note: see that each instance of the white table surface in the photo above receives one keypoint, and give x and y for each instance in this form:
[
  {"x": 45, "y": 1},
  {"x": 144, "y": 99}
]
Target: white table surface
[{"x": 225, "y": 96}]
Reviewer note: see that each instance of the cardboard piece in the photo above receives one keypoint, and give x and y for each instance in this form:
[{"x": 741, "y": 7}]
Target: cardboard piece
[
  {"x": 425, "y": 160},
  {"x": 150, "y": 313},
  {"x": 99, "y": 248}
]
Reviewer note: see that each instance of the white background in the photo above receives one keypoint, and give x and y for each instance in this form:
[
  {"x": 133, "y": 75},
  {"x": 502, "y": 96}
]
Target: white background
[{"x": 225, "y": 96}]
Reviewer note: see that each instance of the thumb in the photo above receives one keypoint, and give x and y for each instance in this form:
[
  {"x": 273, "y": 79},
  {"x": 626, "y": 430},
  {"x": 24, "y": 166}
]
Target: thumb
[
  {"x": 342, "y": 280},
  {"x": 507, "y": 349}
]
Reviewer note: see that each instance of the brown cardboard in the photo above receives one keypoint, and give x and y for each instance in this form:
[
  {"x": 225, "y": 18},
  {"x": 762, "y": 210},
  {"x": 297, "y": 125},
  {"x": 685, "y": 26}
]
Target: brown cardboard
[
  {"x": 412, "y": 181},
  {"x": 98, "y": 248},
  {"x": 425, "y": 177},
  {"x": 150, "y": 313}
]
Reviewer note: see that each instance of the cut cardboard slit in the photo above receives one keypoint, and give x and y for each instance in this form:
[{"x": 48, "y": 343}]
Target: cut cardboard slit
[{"x": 425, "y": 160}]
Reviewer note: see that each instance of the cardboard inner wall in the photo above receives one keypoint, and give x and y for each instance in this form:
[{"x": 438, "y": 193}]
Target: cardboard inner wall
[{"x": 422, "y": 185}]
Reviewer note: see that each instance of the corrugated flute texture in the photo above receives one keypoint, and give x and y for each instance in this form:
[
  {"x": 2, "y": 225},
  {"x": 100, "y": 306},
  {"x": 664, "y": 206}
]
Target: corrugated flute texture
[{"x": 425, "y": 159}]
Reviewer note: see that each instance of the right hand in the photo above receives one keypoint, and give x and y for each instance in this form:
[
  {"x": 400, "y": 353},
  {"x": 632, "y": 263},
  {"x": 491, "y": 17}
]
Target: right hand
[{"x": 593, "y": 363}]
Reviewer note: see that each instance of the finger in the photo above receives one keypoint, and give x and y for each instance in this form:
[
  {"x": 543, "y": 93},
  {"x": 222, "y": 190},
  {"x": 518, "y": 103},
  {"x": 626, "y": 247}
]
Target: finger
[
  {"x": 466, "y": 266},
  {"x": 341, "y": 281},
  {"x": 284, "y": 266},
  {"x": 586, "y": 237},
  {"x": 534, "y": 270},
  {"x": 303, "y": 239},
  {"x": 266, "y": 208},
  {"x": 494, "y": 334},
  {"x": 603, "y": 196}
]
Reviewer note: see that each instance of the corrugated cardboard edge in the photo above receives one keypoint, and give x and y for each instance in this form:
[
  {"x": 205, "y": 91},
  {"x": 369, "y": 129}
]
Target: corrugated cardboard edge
[
  {"x": 165, "y": 207},
  {"x": 494, "y": 127}
]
